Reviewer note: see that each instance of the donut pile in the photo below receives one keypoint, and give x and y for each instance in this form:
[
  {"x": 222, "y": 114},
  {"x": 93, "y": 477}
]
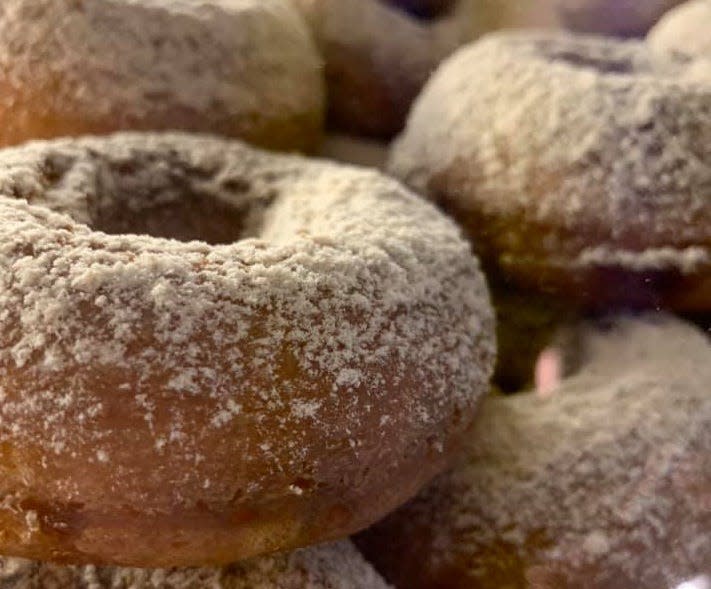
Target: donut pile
[{"x": 219, "y": 364}]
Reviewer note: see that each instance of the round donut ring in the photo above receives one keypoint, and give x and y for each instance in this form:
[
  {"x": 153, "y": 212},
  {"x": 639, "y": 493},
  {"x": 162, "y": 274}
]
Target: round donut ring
[
  {"x": 604, "y": 485},
  {"x": 579, "y": 166},
  {"x": 377, "y": 59},
  {"x": 172, "y": 403},
  {"x": 686, "y": 30},
  {"x": 626, "y": 18},
  {"x": 324, "y": 567},
  {"x": 240, "y": 68}
]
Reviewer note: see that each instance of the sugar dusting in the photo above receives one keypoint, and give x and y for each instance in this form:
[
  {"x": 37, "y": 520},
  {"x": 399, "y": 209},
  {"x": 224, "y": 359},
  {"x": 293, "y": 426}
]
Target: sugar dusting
[
  {"x": 345, "y": 269},
  {"x": 684, "y": 31},
  {"x": 605, "y": 484},
  {"x": 131, "y": 61},
  {"x": 333, "y": 566},
  {"x": 599, "y": 146}
]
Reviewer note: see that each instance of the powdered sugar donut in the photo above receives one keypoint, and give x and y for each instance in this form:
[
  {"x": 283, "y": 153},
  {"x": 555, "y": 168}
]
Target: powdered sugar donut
[
  {"x": 176, "y": 403},
  {"x": 335, "y": 566},
  {"x": 613, "y": 17},
  {"x": 242, "y": 68},
  {"x": 686, "y": 30},
  {"x": 579, "y": 166},
  {"x": 604, "y": 485},
  {"x": 377, "y": 58}
]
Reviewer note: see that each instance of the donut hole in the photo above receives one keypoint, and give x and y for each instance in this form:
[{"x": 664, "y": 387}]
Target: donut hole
[
  {"x": 167, "y": 197},
  {"x": 192, "y": 216}
]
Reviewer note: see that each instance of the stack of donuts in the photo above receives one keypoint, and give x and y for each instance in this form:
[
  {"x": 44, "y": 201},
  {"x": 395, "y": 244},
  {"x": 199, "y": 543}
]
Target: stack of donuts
[{"x": 226, "y": 363}]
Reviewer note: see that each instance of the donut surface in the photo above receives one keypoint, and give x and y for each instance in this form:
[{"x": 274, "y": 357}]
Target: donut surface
[
  {"x": 333, "y": 566},
  {"x": 604, "y": 485},
  {"x": 241, "y": 68},
  {"x": 579, "y": 166},
  {"x": 686, "y": 30},
  {"x": 177, "y": 403},
  {"x": 376, "y": 60},
  {"x": 627, "y": 18}
]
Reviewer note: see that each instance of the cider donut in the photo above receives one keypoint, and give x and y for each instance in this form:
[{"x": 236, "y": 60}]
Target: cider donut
[
  {"x": 604, "y": 485},
  {"x": 579, "y": 166},
  {"x": 626, "y": 18},
  {"x": 334, "y": 566},
  {"x": 686, "y": 30},
  {"x": 377, "y": 58},
  {"x": 240, "y": 68},
  {"x": 179, "y": 404}
]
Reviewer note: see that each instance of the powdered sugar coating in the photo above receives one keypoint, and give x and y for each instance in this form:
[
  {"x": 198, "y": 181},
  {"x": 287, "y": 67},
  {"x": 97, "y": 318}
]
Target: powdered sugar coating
[
  {"x": 246, "y": 68},
  {"x": 684, "y": 30},
  {"x": 335, "y": 566},
  {"x": 566, "y": 157},
  {"x": 377, "y": 58},
  {"x": 604, "y": 485},
  {"x": 289, "y": 374}
]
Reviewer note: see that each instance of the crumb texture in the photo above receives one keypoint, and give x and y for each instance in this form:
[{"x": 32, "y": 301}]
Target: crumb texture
[{"x": 605, "y": 485}]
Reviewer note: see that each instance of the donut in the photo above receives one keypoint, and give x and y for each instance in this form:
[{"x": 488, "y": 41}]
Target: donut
[
  {"x": 208, "y": 352},
  {"x": 376, "y": 60},
  {"x": 579, "y": 166},
  {"x": 333, "y": 566},
  {"x": 684, "y": 30},
  {"x": 625, "y": 18},
  {"x": 240, "y": 68},
  {"x": 603, "y": 485}
]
